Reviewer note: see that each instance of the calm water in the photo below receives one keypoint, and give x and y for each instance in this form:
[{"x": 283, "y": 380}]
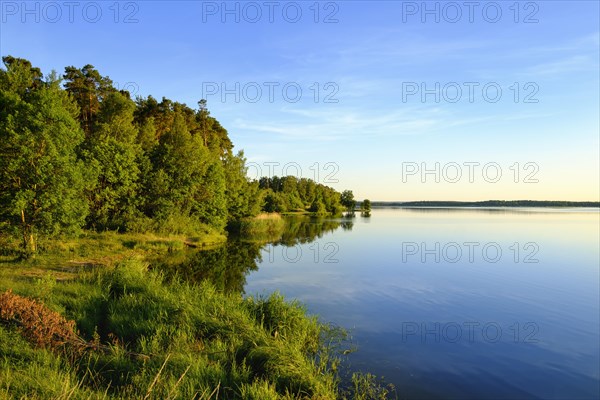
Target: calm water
[{"x": 452, "y": 303}]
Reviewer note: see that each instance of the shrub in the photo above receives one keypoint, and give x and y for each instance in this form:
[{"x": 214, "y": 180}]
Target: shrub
[{"x": 37, "y": 323}]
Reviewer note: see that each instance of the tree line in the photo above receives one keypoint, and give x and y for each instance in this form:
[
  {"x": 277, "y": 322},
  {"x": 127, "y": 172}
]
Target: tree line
[
  {"x": 488, "y": 203},
  {"x": 289, "y": 193},
  {"x": 77, "y": 153}
]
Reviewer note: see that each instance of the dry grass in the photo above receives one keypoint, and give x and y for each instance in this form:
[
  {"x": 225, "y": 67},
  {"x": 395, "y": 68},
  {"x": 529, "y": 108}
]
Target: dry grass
[
  {"x": 270, "y": 216},
  {"x": 38, "y": 324}
]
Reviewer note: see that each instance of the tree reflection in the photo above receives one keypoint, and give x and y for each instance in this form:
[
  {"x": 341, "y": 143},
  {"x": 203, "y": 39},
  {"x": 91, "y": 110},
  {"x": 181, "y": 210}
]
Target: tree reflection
[
  {"x": 227, "y": 266},
  {"x": 347, "y": 225},
  {"x": 304, "y": 229}
]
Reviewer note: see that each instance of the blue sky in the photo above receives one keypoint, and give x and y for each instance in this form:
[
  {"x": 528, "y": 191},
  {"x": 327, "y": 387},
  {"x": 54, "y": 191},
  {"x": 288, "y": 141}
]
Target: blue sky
[{"x": 374, "y": 60}]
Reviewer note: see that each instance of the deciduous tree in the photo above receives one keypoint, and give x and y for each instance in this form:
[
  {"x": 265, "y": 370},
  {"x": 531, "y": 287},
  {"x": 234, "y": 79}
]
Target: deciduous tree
[{"x": 41, "y": 180}]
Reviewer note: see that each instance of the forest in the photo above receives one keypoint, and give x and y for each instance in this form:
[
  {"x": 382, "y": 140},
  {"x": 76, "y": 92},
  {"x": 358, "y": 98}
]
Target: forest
[{"x": 77, "y": 153}]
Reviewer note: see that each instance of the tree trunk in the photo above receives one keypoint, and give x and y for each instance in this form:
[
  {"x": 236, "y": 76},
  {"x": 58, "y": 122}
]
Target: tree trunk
[
  {"x": 24, "y": 228},
  {"x": 32, "y": 242},
  {"x": 28, "y": 236}
]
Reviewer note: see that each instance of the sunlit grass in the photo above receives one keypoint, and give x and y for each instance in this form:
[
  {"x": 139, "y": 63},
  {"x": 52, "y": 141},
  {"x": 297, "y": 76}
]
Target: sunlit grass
[
  {"x": 264, "y": 227},
  {"x": 160, "y": 338},
  {"x": 195, "y": 338}
]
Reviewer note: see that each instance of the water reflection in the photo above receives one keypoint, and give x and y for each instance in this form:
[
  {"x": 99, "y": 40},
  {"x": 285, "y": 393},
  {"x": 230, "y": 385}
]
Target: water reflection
[
  {"x": 225, "y": 266},
  {"x": 395, "y": 282},
  {"x": 440, "y": 316},
  {"x": 347, "y": 225},
  {"x": 495, "y": 210},
  {"x": 304, "y": 229},
  {"x": 228, "y": 265}
]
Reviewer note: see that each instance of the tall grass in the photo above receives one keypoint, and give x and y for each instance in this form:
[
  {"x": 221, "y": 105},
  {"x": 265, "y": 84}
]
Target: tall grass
[
  {"x": 263, "y": 227},
  {"x": 194, "y": 339},
  {"x": 163, "y": 338}
]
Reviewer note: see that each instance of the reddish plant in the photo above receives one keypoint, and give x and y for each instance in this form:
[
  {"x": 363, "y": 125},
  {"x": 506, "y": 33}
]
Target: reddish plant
[{"x": 38, "y": 324}]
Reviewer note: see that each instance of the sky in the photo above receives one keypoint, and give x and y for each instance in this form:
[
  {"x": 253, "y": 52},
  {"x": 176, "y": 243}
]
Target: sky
[{"x": 394, "y": 100}]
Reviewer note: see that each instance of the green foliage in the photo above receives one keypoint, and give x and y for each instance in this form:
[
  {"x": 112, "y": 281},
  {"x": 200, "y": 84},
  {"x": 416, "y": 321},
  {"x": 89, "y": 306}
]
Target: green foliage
[
  {"x": 289, "y": 193},
  {"x": 211, "y": 201},
  {"x": 113, "y": 154},
  {"x": 41, "y": 180},
  {"x": 318, "y": 207},
  {"x": 186, "y": 179},
  {"x": 20, "y": 77},
  {"x": 88, "y": 88},
  {"x": 365, "y": 208},
  {"x": 347, "y": 200},
  {"x": 366, "y": 386},
  {"x": 87, "y": 156},
  {"x": 29, "y": 373},
  {"x": 147, "y": 138},
  {"x": 244, "y": 198},
  {"x": 274, "y": 201}
]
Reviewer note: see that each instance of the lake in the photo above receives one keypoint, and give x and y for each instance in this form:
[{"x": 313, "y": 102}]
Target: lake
[{"x": 451, "y": 303}]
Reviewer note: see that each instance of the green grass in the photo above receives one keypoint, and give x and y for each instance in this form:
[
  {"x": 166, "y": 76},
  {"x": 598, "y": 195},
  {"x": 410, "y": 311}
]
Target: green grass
[
  {"x": 65, "y": 257},
  {"x": 166, "y": 338},
  {"x": 196, "y": 338},
  {"x": 261, "y": 228},
  {"x": 29, "y": 373},
  {"x": 309, "y": 213}
]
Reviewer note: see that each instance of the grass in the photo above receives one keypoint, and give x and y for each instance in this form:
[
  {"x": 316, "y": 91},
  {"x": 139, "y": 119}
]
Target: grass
[
  {"x": 158, "y": 338},
  {"x": 31, "y": 373},
  {"x": 65, "y": 257},
  {"x": 309, "y": 213},
  {"x": 195, "y": 338},
  {"x": 264, "y": 227}
]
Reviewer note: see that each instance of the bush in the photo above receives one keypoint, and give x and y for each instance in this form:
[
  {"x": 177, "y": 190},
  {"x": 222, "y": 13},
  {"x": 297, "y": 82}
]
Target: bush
[{"x": 38, "y": 324}]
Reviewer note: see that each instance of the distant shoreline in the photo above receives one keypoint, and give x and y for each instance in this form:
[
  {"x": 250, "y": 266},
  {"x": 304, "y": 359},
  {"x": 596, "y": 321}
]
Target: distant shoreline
[{"x": 488, "y": 203}]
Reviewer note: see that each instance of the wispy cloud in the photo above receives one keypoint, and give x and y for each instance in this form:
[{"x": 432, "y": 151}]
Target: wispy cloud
[
  {"x": 547, "y": 60},
  {"x": 568, "y": 65},
  {"x": 321, "y": 125}
]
